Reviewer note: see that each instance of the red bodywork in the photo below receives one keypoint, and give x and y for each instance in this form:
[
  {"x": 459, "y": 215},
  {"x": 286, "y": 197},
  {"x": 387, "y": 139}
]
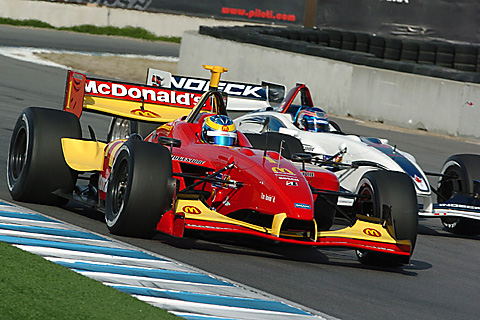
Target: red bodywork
[
  {"x": 272, "y": 198},
  {"x": 270, "y": 185}
]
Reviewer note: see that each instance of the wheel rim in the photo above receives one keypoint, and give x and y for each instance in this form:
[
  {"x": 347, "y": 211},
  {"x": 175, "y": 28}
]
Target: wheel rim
[
  {"x": 364, "y": 204},
  {"x": 447, "y": 187},
  {"x": 119, "y": 189},
  {"x": 121, "y": 129},
  {"x": 18, "y": 154}
]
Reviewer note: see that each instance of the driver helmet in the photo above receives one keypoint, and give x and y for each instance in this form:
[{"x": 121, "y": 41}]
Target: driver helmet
[
  {"x": 220, "y": 130},
  {"x": 312, "y": 119}
]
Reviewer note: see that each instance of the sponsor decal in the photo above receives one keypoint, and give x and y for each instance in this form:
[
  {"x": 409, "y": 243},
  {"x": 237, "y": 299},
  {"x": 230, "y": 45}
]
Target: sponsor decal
[
  {"x": 458, "y": 206},
  {"x": 372, "y": 232},
  {"x": 141, "y": 93},
  {"x": 164, "y": 79},
  {"x": 158, "y": 80},
  {"x": 303, "y": 206},
  {"x": 278, "y": 170},
  {"x": 187, "y": 160},
  {"x": 292, "y": 183},
  {"x": 260, "y": 14},
  {"x": 308, "y": 174},
  {"x": 417, "y": 179},
  {"x": 266, "y": 197},
  {"x": 230, "y": 88},
  {"x": 308, "y": 148},
  {"x": 289, "y": 178},
  {"x": 145, "y": 113},
  {"x": 191, "y": 210}
]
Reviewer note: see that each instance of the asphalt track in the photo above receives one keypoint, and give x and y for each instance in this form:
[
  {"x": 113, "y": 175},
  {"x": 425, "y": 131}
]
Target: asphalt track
[{"x": 441, "y": 283}]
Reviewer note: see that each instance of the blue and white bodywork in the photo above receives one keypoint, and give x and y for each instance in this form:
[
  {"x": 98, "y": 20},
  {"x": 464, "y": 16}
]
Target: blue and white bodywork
[
  {"x": 352, "y": 148},
  {"x": 458, "y": 191}
]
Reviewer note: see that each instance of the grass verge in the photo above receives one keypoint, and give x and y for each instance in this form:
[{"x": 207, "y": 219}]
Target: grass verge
[
  {"x": 131, "y": 32},
  {"x": 34, "y": 288}
]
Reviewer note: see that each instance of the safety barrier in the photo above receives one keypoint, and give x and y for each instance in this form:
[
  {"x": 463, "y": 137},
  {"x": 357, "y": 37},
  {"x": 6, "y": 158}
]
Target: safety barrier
[
  {"x": 374, "y": 93},
  {"x": 440, "y": 59}
]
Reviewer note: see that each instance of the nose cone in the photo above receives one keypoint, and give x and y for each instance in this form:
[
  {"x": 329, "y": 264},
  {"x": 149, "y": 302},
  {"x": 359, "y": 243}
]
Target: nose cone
[{"x": 283, "y": 188}]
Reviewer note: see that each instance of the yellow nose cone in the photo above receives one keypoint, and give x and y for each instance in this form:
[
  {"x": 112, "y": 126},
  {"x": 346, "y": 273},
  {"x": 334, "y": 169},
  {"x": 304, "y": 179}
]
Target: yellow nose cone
[{"x": 216, "y": 71}]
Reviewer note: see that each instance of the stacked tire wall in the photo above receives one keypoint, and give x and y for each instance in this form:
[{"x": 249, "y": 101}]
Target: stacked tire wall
[{"x": 436, "y": 58}]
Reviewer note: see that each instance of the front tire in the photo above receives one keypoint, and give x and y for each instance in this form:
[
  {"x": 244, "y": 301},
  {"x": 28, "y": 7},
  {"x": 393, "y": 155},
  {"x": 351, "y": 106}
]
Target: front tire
[
  {"x": 461, "y": 175},
  {"x": 35, "y": 163},
  {"x": 392, "y": 198},
  {"x": 140, "y": 189}
]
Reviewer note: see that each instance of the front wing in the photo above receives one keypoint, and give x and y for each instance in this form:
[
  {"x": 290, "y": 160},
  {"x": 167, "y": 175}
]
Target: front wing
[{"x": 363, "y": 235}]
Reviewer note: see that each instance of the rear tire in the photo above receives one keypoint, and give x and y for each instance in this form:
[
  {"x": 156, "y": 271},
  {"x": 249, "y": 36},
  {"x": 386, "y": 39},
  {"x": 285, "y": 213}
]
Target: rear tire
[
  {"x": 35, "y": 163},
  {"x": 464, "y": 169},
  {"x": 140, "y": 189},
  {"x": 393, "y": 198}
]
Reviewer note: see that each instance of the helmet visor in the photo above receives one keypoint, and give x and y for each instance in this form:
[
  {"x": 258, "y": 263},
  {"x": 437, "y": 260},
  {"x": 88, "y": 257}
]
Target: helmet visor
[
  {"x": 315, "y": 124},
  {"x": 222, "y": 138},
  {"x": 223, "y": 141}
]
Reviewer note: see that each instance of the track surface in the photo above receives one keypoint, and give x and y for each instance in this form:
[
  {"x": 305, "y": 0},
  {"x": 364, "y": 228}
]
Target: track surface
[{"x": 441, "y": 283}]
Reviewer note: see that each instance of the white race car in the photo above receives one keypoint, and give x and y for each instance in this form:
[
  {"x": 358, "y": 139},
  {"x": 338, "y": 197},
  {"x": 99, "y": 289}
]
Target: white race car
[{"x": 354, "y": 158}]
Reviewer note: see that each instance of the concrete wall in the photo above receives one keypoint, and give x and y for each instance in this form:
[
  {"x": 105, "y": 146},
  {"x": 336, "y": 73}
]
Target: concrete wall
[
  {"x": 341, "y": 88},
  {"x": 396, "y": 98},
  {"x": 67, "y": 15}
]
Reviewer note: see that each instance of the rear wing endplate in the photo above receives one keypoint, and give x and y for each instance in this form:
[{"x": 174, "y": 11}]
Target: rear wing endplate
[{"x": 74, "y": 93}]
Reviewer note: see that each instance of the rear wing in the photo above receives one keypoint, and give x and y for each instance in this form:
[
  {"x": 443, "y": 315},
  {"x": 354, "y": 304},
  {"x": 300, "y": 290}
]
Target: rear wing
[
  {"x": 241, "y": 96},
  {"x": 126, "y": 100}
]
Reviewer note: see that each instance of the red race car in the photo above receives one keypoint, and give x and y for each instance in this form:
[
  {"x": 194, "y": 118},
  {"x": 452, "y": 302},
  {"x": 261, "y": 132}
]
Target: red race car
[{"x": 195, "y": 172}]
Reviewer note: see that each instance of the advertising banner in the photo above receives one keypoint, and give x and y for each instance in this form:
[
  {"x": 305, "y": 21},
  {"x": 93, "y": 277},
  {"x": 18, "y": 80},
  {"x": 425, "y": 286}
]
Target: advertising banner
[
  {"x": 267, "y": 11},
  {"x": 453, "y": 20}
]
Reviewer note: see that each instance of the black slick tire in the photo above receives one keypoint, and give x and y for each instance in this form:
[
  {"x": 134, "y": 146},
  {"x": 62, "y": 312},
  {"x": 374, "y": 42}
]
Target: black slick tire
[
  {"x": 140, "y": 189},
  {"x": 461, "y": 175},
  {"x": 392, "y": 198},
  {"x": 35, "y": 163}
]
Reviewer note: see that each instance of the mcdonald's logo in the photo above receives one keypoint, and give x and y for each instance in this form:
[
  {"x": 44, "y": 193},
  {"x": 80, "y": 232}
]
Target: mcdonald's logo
[
  {"x": 282, "y": 170},
  {"x": 372, "y": 232},
  {"x": 191, "y": 210},
  {"x": 145, "y": 113},
  {"x": 224, "y": 128}
]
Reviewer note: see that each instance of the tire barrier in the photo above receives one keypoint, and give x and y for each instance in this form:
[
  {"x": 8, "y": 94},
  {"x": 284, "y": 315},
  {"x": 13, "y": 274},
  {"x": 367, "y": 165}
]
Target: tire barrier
[{"x": 436, "y": 58}]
